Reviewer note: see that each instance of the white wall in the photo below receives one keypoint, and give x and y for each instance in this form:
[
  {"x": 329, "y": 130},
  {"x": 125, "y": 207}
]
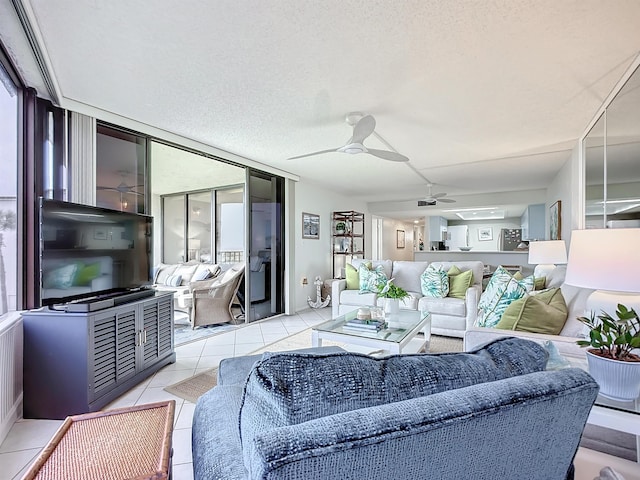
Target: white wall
[
  {"x": 314, "y": 257},
  {"x": 564, "y": 187},
  {"x": 390, "y": 251},
  {"x": 495, "y": 225}
]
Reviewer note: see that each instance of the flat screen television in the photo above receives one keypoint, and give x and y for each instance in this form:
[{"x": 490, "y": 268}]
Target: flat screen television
[{"x": 91, "y": 252}]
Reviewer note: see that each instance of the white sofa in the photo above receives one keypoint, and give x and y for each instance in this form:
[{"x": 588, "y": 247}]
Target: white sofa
[
  {"x": 449, "y": 316},
  {"x": 572, "y": 331}
]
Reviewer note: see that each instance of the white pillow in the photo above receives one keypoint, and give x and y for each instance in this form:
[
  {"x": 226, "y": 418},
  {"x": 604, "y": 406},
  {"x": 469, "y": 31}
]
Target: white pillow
[{"x": 173, "y": 280}]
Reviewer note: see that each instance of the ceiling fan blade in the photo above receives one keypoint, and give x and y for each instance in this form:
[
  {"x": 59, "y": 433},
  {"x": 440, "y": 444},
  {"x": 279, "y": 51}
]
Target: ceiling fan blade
[
  {"x": 107, "y": 188},
  {"x": 438, "y": 195},
  {"x": 311, "y": 154},
  {"x": 387, "y": 155},
  {"x": 361, "y": 130},
  {"x": 446, "y": 200}
]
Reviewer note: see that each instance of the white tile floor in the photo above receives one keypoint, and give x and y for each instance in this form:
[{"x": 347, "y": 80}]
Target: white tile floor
[{"x": 27, "y": 437}]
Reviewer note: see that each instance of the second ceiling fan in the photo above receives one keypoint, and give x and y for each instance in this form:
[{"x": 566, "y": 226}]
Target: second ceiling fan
[
  {"x": 434, "y": 198},
  {"x": 362, "y": 129}
]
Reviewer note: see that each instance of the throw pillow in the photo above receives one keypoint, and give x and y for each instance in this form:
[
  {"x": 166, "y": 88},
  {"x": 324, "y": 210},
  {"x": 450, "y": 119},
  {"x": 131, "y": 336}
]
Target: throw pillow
[
  {"x": 61, "y": 277},
  {"x": 86, "y": 273},
  {"x": 173, "y": 281},
  {"x": 539, "y": 283},
  {"x": 501, "y": 290},
  {"x": 352, "y": 276},
  {"x": 459, "y": 282},
  {"x": 287, "y": 388},
  {"x": 371, "y": 280},
  {"x": 434, "y": 282},
  {"x": 544, "y": 312},
  {"x": 200, "y": 275}
]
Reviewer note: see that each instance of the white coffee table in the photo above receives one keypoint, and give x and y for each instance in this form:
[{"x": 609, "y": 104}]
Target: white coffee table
[{"x": 401, "y": 329}]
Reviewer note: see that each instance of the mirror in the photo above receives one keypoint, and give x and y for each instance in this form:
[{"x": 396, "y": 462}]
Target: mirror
[{"x": 612, "y": 162}]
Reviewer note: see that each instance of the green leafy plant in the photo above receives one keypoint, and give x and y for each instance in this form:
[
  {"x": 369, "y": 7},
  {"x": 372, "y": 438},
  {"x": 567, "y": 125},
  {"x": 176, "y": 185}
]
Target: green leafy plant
[
  {"x": 613, "y": 338},
  {"x": 390, "y": 290},
  {"x": 341, "y": 226}
]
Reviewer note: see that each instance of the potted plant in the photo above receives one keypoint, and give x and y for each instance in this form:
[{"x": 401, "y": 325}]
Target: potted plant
[
  {"x": 611, "y": 360},
  {"x": 393, "y": 294},
  {"x": 341, "y": 228}
]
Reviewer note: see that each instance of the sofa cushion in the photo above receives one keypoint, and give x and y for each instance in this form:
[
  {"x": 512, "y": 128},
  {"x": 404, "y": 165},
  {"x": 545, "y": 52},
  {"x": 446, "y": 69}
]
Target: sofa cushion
[
  {"x": 501, "y": 290},
  {"x": 544, "y": 312},
  {"x": 459, "y": 282},
  {"x": 406, "y": 274},
  {"x": 443, "y": 306},
  {"x": 475, "y": 266},
  {"x": 386, "y": 264},
  {"x": 186, "y": 271},
  {"x": 434, "y": 282},
  {"x": 371, "y": 280},
  {"x": 352, "y": 277},
  {"x": 162, "y": 271},
  {"x": 173, "y": 280},
  {"x": 291, "y": 388},
  {"x": 61, "y": 277}
]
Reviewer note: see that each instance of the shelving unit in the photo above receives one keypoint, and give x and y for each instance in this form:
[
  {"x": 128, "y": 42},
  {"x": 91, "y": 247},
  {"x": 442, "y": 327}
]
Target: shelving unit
[{"x": 347, "y": 243}]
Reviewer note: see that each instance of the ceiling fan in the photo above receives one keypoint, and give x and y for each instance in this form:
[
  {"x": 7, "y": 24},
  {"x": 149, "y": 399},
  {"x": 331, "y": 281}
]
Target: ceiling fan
[
  {"x": 361, "y": 130},
  {"x": 434, "y": 198},
  {"x": 122, "y": 188}
]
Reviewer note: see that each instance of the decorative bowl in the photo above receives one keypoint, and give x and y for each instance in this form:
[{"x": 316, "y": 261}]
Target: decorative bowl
[{"x": 465, "y": 249}]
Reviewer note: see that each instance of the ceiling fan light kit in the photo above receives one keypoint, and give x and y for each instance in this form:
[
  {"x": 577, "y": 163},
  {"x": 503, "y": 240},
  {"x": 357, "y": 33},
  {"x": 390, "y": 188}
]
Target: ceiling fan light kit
[{"x": 362, "y": 129}]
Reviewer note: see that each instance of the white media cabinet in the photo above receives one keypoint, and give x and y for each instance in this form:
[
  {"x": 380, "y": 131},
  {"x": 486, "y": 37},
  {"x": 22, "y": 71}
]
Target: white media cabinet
[{"x": 79, "y": 362}]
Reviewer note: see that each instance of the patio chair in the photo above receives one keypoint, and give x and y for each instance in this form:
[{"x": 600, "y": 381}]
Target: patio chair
[{"x": 212, "y": 299}]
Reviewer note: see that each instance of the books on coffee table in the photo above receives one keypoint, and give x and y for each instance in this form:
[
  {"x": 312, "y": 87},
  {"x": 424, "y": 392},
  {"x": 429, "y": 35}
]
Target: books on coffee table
[{"x": 365, "y": 325}]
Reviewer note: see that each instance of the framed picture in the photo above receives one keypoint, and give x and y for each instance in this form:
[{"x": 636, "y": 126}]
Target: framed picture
[
  {"x": 485, "y": 234},
  {"x": 555, "y": 221},
  {"x": 399, "y": 238},
  {"x": 100, "y": 234},
  {"x": 310, "y": 226}
]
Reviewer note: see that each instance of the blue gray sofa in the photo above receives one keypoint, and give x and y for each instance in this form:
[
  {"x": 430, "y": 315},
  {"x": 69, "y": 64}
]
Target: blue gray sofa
[{"x": 487, "y": 414}]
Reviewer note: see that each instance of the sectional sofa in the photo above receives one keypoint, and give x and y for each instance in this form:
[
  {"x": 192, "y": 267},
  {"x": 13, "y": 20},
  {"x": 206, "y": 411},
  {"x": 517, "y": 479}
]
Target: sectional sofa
[{"x": 449, "y": 316}]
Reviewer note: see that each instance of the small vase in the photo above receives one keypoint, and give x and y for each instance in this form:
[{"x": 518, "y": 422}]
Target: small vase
[
  {"x": 617, "y": 380},
  {"x": 391, "y": 306}
]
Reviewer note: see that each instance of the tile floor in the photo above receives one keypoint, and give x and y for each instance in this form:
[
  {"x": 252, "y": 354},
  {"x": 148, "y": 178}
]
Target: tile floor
[{"x": 27, "y": 437}]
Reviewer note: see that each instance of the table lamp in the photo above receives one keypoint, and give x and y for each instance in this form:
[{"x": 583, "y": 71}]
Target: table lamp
[
  {"x": 608, "y": 261},
  {"x": 546, "y": 255}
]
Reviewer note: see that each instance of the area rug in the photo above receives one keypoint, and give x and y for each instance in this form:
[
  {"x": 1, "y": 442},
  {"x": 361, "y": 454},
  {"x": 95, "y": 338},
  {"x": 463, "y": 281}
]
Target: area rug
[{"x": 193, "y": 387}]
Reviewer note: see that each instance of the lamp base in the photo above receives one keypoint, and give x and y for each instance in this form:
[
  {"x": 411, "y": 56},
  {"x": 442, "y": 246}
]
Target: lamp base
[{"x": 606, "y": 301}]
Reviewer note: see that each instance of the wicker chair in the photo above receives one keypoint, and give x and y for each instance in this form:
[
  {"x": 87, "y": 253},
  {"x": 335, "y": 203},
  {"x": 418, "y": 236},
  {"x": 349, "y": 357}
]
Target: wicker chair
[{"x": 212, "y": 299}]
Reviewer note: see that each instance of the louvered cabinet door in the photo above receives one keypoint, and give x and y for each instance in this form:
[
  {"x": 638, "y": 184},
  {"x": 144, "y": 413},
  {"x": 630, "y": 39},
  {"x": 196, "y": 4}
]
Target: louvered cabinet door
[{"x": 157, "y": 331}]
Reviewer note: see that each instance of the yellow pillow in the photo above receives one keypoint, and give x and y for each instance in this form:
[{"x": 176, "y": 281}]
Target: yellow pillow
[
  {"x": 459, "y": 282},
  {"x": 545, "y": 312}
]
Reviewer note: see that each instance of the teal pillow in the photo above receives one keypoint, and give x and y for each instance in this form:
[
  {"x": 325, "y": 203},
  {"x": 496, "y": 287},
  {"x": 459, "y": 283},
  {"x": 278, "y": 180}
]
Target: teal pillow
[
  {"x": 501, "y": 290},
  {"x": 434, "y": 282},
  {"x": 61, "y": 277},
  {"x": 86, "y": 273},
  {"x": 371, "y": 280}
]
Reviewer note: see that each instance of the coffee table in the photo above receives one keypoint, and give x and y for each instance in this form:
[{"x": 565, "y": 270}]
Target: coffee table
[{"x": 401, "y": 329}]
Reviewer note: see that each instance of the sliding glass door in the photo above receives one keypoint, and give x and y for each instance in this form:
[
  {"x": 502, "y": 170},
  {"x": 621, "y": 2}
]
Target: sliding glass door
[{"x": 266, "y": 250}]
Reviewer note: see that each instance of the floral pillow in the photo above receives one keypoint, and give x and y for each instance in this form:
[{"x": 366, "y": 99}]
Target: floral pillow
[
  {"x": 502, "y": 289},
  {"x": 434, "y": 282},
  {"x": 371, "y": 280}
]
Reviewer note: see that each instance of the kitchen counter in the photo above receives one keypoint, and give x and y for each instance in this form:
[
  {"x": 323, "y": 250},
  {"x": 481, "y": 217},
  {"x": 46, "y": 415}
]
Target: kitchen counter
[{"x": 492, "y": 258}]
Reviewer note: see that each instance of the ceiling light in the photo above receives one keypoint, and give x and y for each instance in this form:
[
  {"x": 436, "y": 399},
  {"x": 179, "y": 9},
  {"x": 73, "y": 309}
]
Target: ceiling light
[{"x": 492, "y": 214}]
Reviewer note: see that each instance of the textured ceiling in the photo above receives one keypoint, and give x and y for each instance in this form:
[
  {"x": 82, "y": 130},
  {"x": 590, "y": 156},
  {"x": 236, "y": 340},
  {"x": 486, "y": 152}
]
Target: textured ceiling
[{"x": 482, "y": 96}]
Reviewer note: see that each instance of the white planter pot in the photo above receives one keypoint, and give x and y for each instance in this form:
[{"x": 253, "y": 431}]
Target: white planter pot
[
  {"x": 617, "y": 380},
  {"x": 391, "y": 306}
]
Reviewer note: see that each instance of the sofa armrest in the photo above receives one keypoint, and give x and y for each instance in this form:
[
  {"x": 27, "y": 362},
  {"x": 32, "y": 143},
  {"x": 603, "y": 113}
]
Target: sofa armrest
[
  {"x": 471, "y": 298},
  {"x": 476, "y": 336},
  {"x": 337, "y": 286}
]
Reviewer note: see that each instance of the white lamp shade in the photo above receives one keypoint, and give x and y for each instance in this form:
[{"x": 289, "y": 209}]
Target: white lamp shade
[
  {"x": 549, "y": 251},
  {"x": 605, "y": 259}
]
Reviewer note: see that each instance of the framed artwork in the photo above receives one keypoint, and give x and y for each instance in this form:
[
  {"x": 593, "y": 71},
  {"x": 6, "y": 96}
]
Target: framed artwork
[
  {"x": 100, "y": 234},
  {"x": 399, "y": 238},
  {"x": 485, "y": 234},
  {"x": 310, "y": 226},
  {"x": 555, "y": 221}
]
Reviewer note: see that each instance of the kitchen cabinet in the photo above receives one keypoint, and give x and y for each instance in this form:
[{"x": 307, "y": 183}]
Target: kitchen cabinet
[
  {"x": 437, "y": 229},
  {"x": 76, "y": 363},
  {"x": 532, "y": 222}
]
